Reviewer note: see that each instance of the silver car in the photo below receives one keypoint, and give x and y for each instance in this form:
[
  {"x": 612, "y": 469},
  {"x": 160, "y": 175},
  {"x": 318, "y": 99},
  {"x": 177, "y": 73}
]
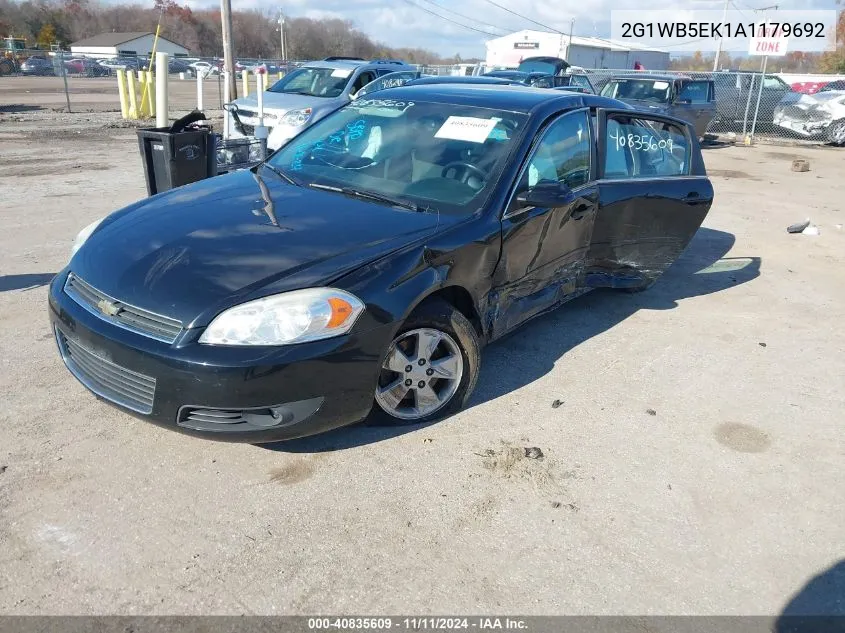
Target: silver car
[{"x": 305, "y": 96}]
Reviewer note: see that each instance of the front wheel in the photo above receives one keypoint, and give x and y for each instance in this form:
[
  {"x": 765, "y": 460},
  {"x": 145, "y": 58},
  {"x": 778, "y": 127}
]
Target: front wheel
[
  {"x": 430, "y": 369},
  {"x": 836, "y": 133}
]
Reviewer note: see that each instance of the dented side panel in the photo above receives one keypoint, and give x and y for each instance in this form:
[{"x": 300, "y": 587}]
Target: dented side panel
[
  {"x": 642, "y": 227},
  {"x": 543, "y": 258}
]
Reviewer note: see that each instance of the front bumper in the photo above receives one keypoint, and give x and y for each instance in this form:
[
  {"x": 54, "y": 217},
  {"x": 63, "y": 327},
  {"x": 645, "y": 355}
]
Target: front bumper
[{"x": 309, "y": 388}]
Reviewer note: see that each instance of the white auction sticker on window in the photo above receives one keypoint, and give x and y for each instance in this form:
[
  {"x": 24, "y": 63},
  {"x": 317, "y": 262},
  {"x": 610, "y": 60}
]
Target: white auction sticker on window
[
  {"x": 341, "y": 72},
  {"x": 661, "y": 85},
  {"x": 466, "y": 128}
]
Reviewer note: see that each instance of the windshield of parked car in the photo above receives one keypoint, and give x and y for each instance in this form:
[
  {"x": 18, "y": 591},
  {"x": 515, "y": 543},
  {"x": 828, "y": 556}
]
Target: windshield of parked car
[
  {"x": 435, "y": 156},
  {"x": 655, "y": 90},
  {"x": 546, "y": 68},
  {"x": 314, "y": 82}
]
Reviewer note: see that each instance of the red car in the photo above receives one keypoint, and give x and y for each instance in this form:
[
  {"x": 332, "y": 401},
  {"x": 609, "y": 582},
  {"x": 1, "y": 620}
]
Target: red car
[
  {"x": 85, "y": 66},
  {"x": 808, "y": 87}
]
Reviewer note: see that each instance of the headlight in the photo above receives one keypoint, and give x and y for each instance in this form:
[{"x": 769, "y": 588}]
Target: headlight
[
  {"x": 296, "y": 118},
  {"x": 83, "y": 235},
  {"x": 287, "y": 318}
]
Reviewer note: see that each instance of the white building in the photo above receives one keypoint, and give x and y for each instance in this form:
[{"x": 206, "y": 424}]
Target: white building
[
  {"x": 129, "y": 44},
  {"x": 586, "y": 52}
]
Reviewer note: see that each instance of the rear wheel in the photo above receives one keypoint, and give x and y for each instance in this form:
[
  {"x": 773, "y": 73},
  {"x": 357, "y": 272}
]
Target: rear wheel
[
  {"x": 430, "y": 369},
  {"x": 836, "y": 133}
]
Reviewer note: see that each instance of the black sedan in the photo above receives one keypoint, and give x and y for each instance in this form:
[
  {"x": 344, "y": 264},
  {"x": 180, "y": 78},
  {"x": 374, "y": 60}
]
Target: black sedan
[{"x": 361, "y": 269}]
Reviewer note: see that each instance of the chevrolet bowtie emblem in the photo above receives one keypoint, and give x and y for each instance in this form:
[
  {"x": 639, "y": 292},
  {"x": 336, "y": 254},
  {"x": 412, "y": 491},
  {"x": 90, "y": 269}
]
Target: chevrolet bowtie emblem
[{"x": 107, "y": 307}]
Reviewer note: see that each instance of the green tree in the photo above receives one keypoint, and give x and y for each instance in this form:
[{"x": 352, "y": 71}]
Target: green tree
[{"x": 46, "y": 36}]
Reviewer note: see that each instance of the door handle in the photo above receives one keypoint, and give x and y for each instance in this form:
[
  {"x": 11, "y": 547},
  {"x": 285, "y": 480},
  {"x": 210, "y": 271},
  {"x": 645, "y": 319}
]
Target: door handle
[
  {"x": 692, "y": 198},
  {"x": 579, "y": 211}
]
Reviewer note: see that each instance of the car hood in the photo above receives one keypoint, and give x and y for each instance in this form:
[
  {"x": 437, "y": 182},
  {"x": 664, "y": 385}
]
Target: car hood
[
  {"x": 280, "y": 102},
  {"x": 192, "y": 251}
]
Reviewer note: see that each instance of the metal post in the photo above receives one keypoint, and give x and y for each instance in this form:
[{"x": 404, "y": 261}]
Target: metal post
[
  {"x": 121, "y": 90},
  {"x": 64, "y": 77},
  {"x": 161, "y": 89},
  {"x": 228, "y": 47},
  {"x": 719, "y": 46},
  {"x": 199, "y": 92},
  {"x": 245, "y": 77},
  {"x": 747, "y": 106},
  {"x": 759, "y": 95},
  {"x": 133, "y": 96},
  {"x": 261, "y": 132},
  {"x": 226, "y": 99}
]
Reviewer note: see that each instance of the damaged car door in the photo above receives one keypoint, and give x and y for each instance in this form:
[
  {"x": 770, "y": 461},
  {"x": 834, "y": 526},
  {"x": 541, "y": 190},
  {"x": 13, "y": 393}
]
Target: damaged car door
[
  {"x": 547, "y": 223},
  {"x": 653, "y": 196}
]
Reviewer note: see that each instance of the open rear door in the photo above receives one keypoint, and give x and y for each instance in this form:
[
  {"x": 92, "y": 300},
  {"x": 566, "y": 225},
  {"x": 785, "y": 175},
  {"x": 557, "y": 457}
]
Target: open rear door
[{"x": 653, "y": 196}]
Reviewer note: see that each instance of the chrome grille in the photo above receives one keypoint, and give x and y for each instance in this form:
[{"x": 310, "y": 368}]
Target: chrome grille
[
  {"x": 107, "y": 379},
  {"x": 126, "y": 316}
]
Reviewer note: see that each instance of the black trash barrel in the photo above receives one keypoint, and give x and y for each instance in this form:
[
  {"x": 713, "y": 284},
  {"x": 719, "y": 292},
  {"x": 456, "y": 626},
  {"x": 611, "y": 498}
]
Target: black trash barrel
[{"x": 173, "y": 159}]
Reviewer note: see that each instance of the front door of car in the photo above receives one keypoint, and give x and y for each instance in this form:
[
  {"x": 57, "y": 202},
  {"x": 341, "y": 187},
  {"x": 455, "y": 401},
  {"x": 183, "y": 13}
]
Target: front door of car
[
  {"x": 653, "y": 196},
  {"x": 544, "y": 246}
]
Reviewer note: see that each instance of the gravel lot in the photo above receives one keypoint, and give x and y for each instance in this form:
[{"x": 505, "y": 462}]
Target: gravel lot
[{"x": 694, "y": 463}]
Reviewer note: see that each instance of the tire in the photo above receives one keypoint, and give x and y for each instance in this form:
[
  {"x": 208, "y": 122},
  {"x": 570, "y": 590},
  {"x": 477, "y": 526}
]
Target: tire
[
  {"x": 836, "y": 133},
  {"x": 460, "y": 339}
]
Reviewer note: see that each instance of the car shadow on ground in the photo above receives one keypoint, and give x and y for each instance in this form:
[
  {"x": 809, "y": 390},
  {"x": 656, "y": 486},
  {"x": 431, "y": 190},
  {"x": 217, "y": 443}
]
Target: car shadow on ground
[
  {"x": 25, "y": 282},
  {"x": 819, "y": 607},
  {"x": 532, "y": 351},
  {"x": 18, "y": 107}
]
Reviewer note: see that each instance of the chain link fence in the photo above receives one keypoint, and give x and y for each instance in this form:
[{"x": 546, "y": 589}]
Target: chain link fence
[{"x": 60, "y": 81}]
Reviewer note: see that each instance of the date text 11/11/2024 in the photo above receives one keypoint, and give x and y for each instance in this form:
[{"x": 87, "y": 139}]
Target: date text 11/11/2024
[{"x": 416, "y": 624}]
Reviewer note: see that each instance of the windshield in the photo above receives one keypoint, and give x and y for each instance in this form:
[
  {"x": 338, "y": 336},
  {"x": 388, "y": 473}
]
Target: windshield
[
  {"x": 638, "y": 89},
  {"x": 314, "y": 82},
  {"x": 546, "y": 68},
  {"x": 433, "y": 155}
]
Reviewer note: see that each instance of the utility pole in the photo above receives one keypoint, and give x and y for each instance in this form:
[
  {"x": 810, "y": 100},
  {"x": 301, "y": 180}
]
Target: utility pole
[
  {"x": 228, "y": 48},
  {"x": 719, "y": 46},
  {"x": 571, "y": 30},
  {"x": 282, "y": 36}
]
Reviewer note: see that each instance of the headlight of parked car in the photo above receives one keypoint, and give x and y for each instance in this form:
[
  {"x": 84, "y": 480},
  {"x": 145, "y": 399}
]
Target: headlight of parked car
[
  {"x": 83, "y": 235},
  {"x": 291, "y": 317},
  {"x": 296, "y": 118}
]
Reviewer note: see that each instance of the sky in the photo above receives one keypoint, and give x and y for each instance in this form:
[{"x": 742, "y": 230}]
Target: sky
[{"x": 406, "y": 23}]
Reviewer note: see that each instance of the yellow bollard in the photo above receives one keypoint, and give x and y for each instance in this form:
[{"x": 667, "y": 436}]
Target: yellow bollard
[
  {"x": 121, "y": 90},
  {"x": 151, "y": 94},
  {"x": 281, "y": 74},
  {"x": 133, "y": 97},
  {"x": 142, "y": 101},
  {"x": 245, "y": 77}
]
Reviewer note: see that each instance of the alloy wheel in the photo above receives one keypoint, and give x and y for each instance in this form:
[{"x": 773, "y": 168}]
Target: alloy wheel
[{"x": 420, "y": 374}]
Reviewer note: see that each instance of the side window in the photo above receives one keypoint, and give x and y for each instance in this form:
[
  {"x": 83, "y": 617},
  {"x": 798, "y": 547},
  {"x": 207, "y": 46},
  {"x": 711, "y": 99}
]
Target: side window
[
  {"x": 563, "y": 153},
  {"x": 644, "y": 148},
  {"x": 773, "y": 83},
  {"x": 362, "y": 80},
  {"x": 695, "y": 92}
]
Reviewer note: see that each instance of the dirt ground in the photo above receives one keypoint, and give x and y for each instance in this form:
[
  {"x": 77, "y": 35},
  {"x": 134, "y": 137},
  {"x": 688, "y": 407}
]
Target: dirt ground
[
  {"x": 97, "y": 94},
  {"x": 691, "y": 437}
]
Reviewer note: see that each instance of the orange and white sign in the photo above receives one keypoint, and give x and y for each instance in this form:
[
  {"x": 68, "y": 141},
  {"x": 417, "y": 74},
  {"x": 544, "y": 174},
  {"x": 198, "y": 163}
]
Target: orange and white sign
[{"x": 769, "y": 40}]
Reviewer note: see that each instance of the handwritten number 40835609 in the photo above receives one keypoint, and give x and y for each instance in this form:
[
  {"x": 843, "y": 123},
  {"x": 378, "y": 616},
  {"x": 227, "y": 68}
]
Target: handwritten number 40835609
[{"x": 641, "y": 142}]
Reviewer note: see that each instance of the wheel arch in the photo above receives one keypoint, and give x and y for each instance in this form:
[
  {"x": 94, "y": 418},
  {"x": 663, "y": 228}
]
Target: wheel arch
[{"x": 458, "y": 297}]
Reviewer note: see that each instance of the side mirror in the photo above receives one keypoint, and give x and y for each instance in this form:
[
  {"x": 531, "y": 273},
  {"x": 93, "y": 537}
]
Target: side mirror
[{"x": 546, "y": 193}]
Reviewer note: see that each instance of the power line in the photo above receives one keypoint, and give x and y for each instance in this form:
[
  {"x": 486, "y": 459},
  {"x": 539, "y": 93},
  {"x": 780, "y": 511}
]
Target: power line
[
  {"x": 519, "y": 15},
  {"x": 443, "y": 17},
  {"x": 466, "y": 17}
]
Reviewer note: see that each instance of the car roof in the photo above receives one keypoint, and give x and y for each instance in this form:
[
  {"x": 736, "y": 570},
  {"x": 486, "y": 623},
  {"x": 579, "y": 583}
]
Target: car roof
[
  {"x": 352, "y": 64},
  {"x": 651, "y": 77},
  {"x": 514, "y": 98},
  {"x": 461, "y": 79}
]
